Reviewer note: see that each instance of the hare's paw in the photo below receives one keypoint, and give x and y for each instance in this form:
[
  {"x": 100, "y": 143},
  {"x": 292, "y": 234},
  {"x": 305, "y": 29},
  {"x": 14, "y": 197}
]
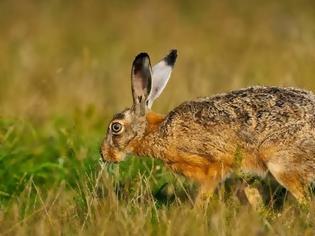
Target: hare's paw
[
  {"x": 254, "y": 197},
  {"x": 205, "y": 193}
]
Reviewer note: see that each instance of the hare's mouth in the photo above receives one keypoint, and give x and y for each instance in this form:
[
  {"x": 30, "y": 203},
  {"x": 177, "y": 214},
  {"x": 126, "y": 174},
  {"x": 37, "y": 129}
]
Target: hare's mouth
[
  {"x": 107, "y": 161},
  {"x": 112, "y": 155}
]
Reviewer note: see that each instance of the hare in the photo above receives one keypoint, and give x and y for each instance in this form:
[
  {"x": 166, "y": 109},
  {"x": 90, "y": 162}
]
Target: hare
[{"x": 258, "y": 130}]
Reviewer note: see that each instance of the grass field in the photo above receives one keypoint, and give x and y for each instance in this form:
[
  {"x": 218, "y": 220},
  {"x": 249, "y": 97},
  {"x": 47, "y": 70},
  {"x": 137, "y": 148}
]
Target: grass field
[{"x": 64, "y": 70}]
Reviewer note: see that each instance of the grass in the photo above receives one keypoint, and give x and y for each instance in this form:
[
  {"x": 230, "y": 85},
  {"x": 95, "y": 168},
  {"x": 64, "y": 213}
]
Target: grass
[{"x": 64, "y": 70}]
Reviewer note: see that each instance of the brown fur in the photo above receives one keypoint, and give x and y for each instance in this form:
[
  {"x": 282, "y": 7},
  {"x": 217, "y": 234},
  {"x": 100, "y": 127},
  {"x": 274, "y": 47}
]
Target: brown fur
[
  {"x": 257, "y": 130},
  {"x": 154, "y": 120}
]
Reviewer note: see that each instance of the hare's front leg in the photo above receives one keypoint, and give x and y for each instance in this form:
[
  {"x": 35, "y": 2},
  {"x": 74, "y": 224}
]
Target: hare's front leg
[
  {"x": 207, "y": 173},
  {"x": 206, "y": 191},
  {"x": 215, "y": 174}
]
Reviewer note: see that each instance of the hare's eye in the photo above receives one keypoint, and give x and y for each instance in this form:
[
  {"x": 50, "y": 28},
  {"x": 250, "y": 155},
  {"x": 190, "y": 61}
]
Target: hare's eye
[{"x": 116, "y": 127}]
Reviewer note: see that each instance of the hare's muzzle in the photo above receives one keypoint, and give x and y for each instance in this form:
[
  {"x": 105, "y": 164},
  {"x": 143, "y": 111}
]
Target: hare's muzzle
[
  {"x": 104, "y": 151},
  {"x": 111, "y": 154}
]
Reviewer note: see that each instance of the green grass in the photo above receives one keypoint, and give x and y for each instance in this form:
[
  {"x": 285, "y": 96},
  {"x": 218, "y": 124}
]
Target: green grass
[{"x": 64, "y": 70}]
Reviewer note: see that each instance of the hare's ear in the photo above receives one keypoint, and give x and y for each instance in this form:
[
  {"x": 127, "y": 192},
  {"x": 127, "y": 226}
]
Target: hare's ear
[
  {"x": 161, "y": 73},
  {"x": 141, "y": 82}
]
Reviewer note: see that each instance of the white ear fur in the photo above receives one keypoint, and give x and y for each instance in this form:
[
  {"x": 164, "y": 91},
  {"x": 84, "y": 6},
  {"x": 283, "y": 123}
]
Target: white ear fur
[{"x": 161, "y": 73}]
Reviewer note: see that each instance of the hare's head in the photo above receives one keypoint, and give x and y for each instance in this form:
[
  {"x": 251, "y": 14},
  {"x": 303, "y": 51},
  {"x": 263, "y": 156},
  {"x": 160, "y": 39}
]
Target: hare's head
[{"x": 129, "y": 126}]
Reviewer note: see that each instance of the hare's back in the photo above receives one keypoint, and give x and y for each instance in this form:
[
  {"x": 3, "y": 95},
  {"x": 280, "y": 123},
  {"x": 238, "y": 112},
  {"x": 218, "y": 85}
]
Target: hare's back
[{"x": 260, "y": 108}]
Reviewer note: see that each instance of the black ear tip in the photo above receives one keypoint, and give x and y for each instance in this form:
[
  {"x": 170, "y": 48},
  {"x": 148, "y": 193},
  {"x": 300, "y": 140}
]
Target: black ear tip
[
  {"x": 141, "y": 56},
  {"x": 170, "y": 59},
  {"x": 140, "y": 61},
  {"x": 173, "y": 51}
]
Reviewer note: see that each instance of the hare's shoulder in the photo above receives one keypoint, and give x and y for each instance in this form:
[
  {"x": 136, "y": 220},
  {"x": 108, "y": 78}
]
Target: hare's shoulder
[{"x": 246, "y": 105}]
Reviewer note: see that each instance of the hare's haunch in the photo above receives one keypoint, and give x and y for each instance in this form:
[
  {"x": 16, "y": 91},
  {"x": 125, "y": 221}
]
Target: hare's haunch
[{"x": 271, "y": 129}]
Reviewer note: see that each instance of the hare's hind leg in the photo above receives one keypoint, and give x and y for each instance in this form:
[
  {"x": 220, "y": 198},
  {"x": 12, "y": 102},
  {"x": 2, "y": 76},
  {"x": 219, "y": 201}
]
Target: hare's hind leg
[
  {"x": 290, "y": 174},
  {"x": 292, "y": 182}
]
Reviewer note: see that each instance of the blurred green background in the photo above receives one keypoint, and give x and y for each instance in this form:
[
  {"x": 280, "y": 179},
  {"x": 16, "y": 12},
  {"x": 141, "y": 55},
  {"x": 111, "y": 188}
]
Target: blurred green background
[{"x": 65, "y": 69}]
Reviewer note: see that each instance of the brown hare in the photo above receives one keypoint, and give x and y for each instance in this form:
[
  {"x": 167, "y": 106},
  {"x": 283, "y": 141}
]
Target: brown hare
[{"x": 271, "y": 129}]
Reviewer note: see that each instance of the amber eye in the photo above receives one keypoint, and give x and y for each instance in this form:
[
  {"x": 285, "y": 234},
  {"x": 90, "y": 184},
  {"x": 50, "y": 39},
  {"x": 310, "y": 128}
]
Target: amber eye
[{"x": 116, "y": 127}]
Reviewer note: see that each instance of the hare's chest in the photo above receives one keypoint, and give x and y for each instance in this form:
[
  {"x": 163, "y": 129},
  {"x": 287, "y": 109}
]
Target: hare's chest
[
  {"x": 194, "y": 172},
  {"x": 196, "y": 167}
]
